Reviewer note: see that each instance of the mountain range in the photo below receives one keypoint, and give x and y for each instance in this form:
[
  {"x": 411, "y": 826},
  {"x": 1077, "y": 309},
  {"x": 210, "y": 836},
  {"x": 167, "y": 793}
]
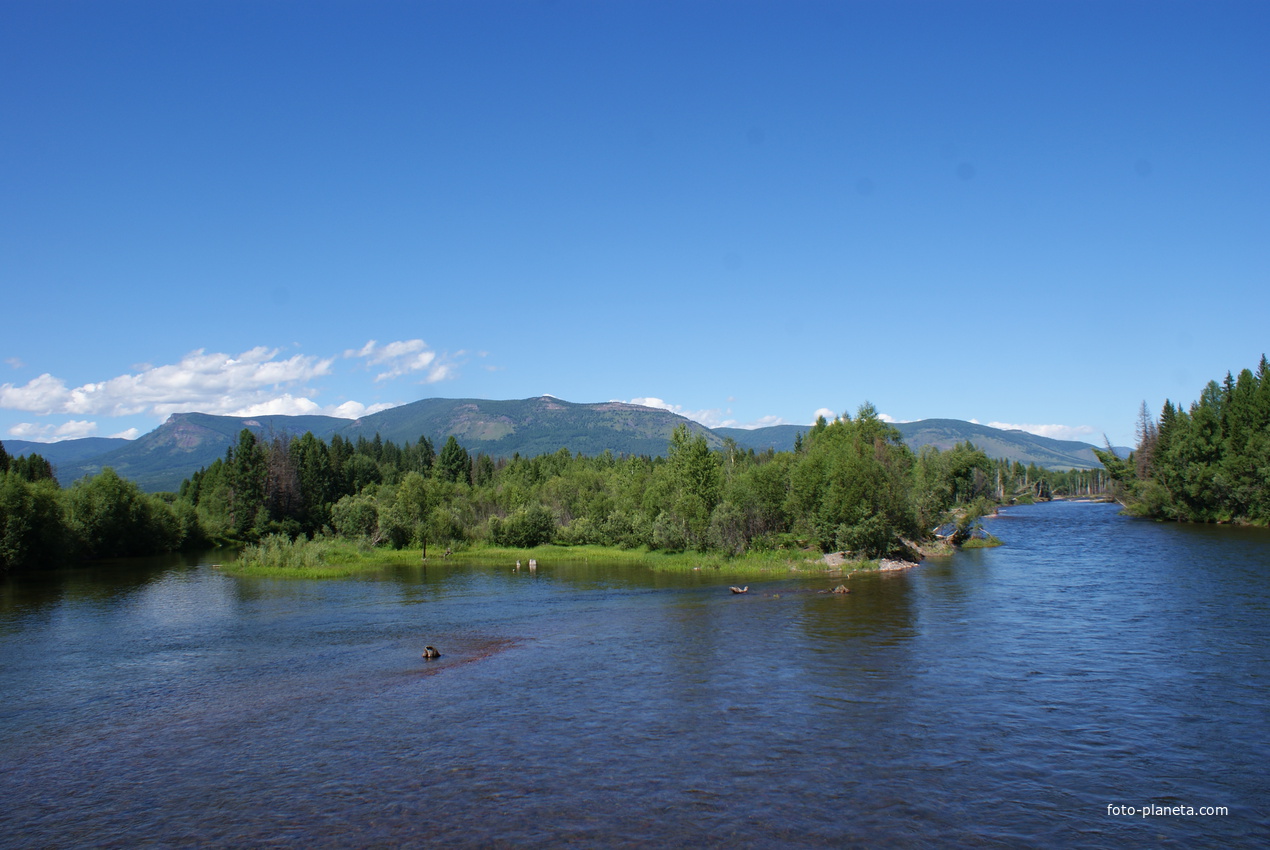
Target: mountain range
[{"x": 187, "y": 442}]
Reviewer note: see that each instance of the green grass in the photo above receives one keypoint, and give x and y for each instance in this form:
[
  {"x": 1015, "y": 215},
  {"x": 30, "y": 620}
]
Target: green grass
[
  {"x": 279, "y": 557},
  {"x": 981, "y": 543},
  {"x": 751, "y": 563}
]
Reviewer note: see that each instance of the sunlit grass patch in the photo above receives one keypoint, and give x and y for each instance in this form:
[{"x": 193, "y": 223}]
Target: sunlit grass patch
[
  {"x": 642, "y": 556},
  {"x": 279, "y": 556}
]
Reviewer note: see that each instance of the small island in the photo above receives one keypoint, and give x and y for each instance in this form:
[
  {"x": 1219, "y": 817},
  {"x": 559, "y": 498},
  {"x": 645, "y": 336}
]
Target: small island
[{"x": 851, "y": 496}]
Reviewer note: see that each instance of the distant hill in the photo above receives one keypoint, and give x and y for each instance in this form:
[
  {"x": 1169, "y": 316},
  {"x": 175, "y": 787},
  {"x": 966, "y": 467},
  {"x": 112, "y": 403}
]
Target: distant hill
[
  {"x": 67, "y": 451},
  {"x": 530, "y": 427},
  {"x": 779, "y": 438},
  {"x": 187, "y": 442},
  {"x": 1026, "y": 448}
]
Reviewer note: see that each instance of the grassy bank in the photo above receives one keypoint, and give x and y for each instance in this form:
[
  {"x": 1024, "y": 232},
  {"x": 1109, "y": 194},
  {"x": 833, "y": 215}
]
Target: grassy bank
[
  {"x": 751, "y": 563},
  {"x": 278, "y": 557},
  {"x": 324, "y": 558}
]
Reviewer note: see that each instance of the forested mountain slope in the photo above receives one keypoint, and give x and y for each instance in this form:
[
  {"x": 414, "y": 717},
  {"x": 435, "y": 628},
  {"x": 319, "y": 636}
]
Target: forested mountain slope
[{"x": 163, "y": 458}]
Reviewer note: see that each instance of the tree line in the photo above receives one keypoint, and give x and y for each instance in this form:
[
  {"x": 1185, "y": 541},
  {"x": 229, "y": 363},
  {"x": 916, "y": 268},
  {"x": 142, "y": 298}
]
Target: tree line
[
  {"x": 1209, "y": 462},
  {"x": 848, "y": 485},
  {"x": 105, "y": 516}
]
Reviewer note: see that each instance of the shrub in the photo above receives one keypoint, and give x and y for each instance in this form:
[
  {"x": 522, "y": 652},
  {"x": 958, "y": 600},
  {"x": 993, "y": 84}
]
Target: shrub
[{"x": 524, "y": 529}]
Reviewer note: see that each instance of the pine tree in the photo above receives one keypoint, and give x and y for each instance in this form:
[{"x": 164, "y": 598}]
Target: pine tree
[{"x": 454, "y": 463}]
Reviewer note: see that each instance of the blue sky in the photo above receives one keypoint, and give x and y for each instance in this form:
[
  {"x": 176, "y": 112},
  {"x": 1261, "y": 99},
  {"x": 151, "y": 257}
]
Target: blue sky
[{"x": 1032, "y": 214}]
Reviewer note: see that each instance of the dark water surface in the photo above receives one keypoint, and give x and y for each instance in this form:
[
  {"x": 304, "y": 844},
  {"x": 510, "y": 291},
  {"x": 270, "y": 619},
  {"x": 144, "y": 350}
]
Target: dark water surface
[{"x": 999, "y": 698}]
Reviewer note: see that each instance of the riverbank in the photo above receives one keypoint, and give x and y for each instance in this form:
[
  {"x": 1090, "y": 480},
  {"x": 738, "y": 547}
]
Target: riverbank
[{"x": 281, "y": 558}]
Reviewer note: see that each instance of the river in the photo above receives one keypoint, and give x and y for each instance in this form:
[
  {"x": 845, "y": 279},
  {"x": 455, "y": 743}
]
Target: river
[{"x": 997, "y": 698}]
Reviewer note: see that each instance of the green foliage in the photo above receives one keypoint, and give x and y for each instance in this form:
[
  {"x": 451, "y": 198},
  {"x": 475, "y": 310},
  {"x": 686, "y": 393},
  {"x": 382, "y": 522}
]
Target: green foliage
[
  {"x": 110, "y": 517},
  {"x": 986, "y": 542},
  {"x": 955, "y": 477},
  {"x": 318, "y": 483},
  {"x": 105, "y": 516},
  {"x": 32, "y": 468},
  {"x": 483, "y": 470},
  {"x": 454, "y": 464},
  {"x": 852, "y": 487},
  {"x": 281, "y": 552},
  {"x": 852, "y": 484},
  {"x": 1208, "y": 463},
  {"x": 405, "y": 521},
  {"x": 526, "y": 528},
  {"x": 277, "y": 554},
  {"x": 356, "y": 517},
  {"x": 245, "y": 467},
  {"x": 32, "y": 524},
  {"x": 728, "y": 529}
]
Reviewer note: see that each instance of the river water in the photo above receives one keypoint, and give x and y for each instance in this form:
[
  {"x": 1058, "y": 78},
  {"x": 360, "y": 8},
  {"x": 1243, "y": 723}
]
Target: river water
[{"x": 997, "y": 698}]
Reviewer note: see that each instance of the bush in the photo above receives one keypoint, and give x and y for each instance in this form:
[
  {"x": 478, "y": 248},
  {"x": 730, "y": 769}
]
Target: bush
[
  {"x": 277, "y": 551},
  {"x": 727, "y": 529},
  {"x": 668, "y": 533},
  {"x": 621, "y": 529},
  {"x": 871, "y": 536},
  {"x": 525, "y": 529},
  {"x": 356, "y": 517},
  {"x": 581, "y": 532},
  {"x": 110, "y": 517},
  {"x": 33, "y": 531}
]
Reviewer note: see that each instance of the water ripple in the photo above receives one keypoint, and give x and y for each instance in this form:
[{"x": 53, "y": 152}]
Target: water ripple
[{"x": 1000, "y": 698}]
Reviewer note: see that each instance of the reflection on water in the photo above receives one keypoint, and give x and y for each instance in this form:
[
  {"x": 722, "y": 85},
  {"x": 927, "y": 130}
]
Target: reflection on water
[{"x": 996, "y": 698}]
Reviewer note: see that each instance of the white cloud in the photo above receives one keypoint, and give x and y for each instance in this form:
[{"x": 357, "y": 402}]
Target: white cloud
[
  {"x": 825, "y": 412},
  {"x": 71, "y": 430},
  {"x": 209, "y": 383},
  {"x": 15, "y": 362},
  {"x": 42, "y": 395},
  {"x": 403, "y": 358},
  {"x": 284, "y": 405},
  {"x": 356, "y": 410},
  {"x": 289, "y": 405},
  {"x": 710, "y": 417},
  {"x": 1057, "y": 432},
  {"x": 75, "y": 428},
  {"x": 129, "y": 434},
  {"x": 257, "y": 382},
  {"x": 441, "y": 372}
]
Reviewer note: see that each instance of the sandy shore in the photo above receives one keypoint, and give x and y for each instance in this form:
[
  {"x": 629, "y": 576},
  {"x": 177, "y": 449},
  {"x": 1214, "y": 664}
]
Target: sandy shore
[{"x": 841, "y": 561}]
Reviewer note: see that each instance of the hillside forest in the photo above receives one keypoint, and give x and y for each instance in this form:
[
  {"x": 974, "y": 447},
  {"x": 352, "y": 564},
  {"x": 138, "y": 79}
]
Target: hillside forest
[
  {"x": 848, "y": 485},
  {"x": 1209, "y": 462}
]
